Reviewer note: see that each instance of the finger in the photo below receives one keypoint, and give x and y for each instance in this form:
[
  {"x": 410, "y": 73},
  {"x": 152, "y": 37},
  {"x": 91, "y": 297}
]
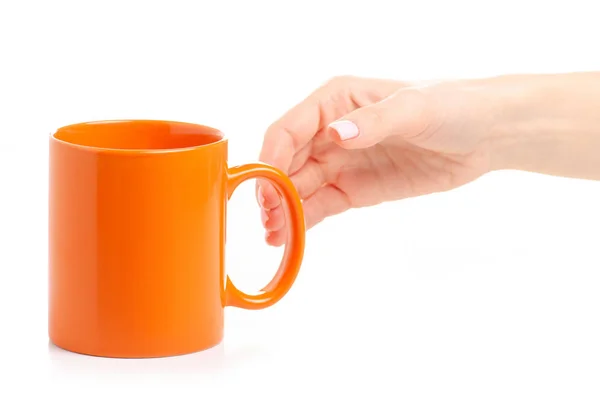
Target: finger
[
  {"x": 291, "y": 133},
  {"x": 405, "y": 114},
  {"x": 310, "y": 178},
  {"x": 307, "y": 181},
  {"x": 326, "y": 202},
  {"x": 273, "y": 220},
  {"x": 287, "y": 142},
  {"x": 288, "y": 135},
  {"x": 299, "y": 125},
  {"x": 279, "y": 153},
  {"x": 267, "y": 197},
  {"x": 296, "y": 128},
  {"x": 276, "y": 238},
  {"x": 300, "y": 158}
]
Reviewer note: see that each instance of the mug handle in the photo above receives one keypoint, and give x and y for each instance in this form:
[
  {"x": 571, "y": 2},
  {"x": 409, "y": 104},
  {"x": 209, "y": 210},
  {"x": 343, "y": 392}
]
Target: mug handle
[{"x": 294, "y": 248}]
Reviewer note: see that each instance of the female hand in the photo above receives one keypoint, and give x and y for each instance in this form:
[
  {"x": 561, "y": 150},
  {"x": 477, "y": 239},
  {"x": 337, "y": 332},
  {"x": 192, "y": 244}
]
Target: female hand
[{"x": 358, "y": 142}]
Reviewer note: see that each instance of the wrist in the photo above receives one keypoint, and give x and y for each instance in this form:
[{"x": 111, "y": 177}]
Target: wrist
[
  {"x": 519, "y": 124},
  {"x": 546, "y": 123}
]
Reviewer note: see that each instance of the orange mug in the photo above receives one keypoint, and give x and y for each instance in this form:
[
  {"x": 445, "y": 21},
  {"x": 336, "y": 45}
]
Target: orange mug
[{"x": 137, "y": 218}]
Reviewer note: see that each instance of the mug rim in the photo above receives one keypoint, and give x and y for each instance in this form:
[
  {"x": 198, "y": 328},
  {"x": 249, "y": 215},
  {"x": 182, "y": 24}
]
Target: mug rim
[{"x": 111, "y": 150}]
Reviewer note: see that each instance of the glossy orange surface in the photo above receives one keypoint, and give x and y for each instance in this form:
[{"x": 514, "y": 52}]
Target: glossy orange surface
[{"x": 137, "y": 217}]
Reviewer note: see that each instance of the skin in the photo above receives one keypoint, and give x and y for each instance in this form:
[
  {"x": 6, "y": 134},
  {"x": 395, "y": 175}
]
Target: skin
[{"x": 412, "y": 139}]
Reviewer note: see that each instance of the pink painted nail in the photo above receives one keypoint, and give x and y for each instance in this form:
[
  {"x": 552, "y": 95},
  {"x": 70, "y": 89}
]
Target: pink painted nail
[{"x": 345, "y": 129}]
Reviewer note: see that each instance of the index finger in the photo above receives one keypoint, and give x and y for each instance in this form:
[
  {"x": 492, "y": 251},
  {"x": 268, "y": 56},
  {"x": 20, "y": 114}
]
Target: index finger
[
  {"x": 285, "y": 137},
  {"x": 296, "y": 128},
  {"x": 291, "y": 132}
]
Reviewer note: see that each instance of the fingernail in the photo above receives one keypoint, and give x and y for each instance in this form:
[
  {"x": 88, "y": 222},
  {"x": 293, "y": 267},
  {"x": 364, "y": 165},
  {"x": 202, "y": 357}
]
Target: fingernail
[
  {"x": 345, "y": 129},
  {"x": 264, "y": 217},
  {"x": 261, "y": 197}
]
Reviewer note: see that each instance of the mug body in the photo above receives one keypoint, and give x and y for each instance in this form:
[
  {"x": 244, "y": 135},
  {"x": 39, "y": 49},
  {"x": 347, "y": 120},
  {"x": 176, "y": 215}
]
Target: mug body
[{"x": 136, "y": 238}]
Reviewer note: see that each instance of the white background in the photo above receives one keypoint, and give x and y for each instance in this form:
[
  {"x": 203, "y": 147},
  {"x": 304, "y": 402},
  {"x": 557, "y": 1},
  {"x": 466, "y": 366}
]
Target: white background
[{"x": 488, "y": 293}]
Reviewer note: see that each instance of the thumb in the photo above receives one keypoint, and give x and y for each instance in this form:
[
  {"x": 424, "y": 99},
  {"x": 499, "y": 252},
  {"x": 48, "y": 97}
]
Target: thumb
[{"x": 402, "y": 114}]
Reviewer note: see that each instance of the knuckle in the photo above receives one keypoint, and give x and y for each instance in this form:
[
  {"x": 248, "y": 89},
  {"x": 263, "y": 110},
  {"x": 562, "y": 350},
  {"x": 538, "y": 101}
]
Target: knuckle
[
  {"x": 332, "y": 89},
  {"x": 376, "y": 116},
  {"x": 374, "y": 120},
  {"x": 423, "y": 106},
  {"x": 432, "y": 116},
  {"x": 273, "y": 130}
]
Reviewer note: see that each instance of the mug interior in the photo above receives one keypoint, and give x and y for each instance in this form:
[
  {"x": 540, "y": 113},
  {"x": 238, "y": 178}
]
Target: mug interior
[{"x": 138, "y": 135}]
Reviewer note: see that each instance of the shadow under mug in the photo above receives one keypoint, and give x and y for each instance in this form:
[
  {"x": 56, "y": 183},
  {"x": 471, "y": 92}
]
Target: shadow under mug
[{"x": 137, "y": 218}]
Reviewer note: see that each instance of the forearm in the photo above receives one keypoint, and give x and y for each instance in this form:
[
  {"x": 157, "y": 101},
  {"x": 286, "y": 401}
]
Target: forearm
[{"x": 547, "y": 123}]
